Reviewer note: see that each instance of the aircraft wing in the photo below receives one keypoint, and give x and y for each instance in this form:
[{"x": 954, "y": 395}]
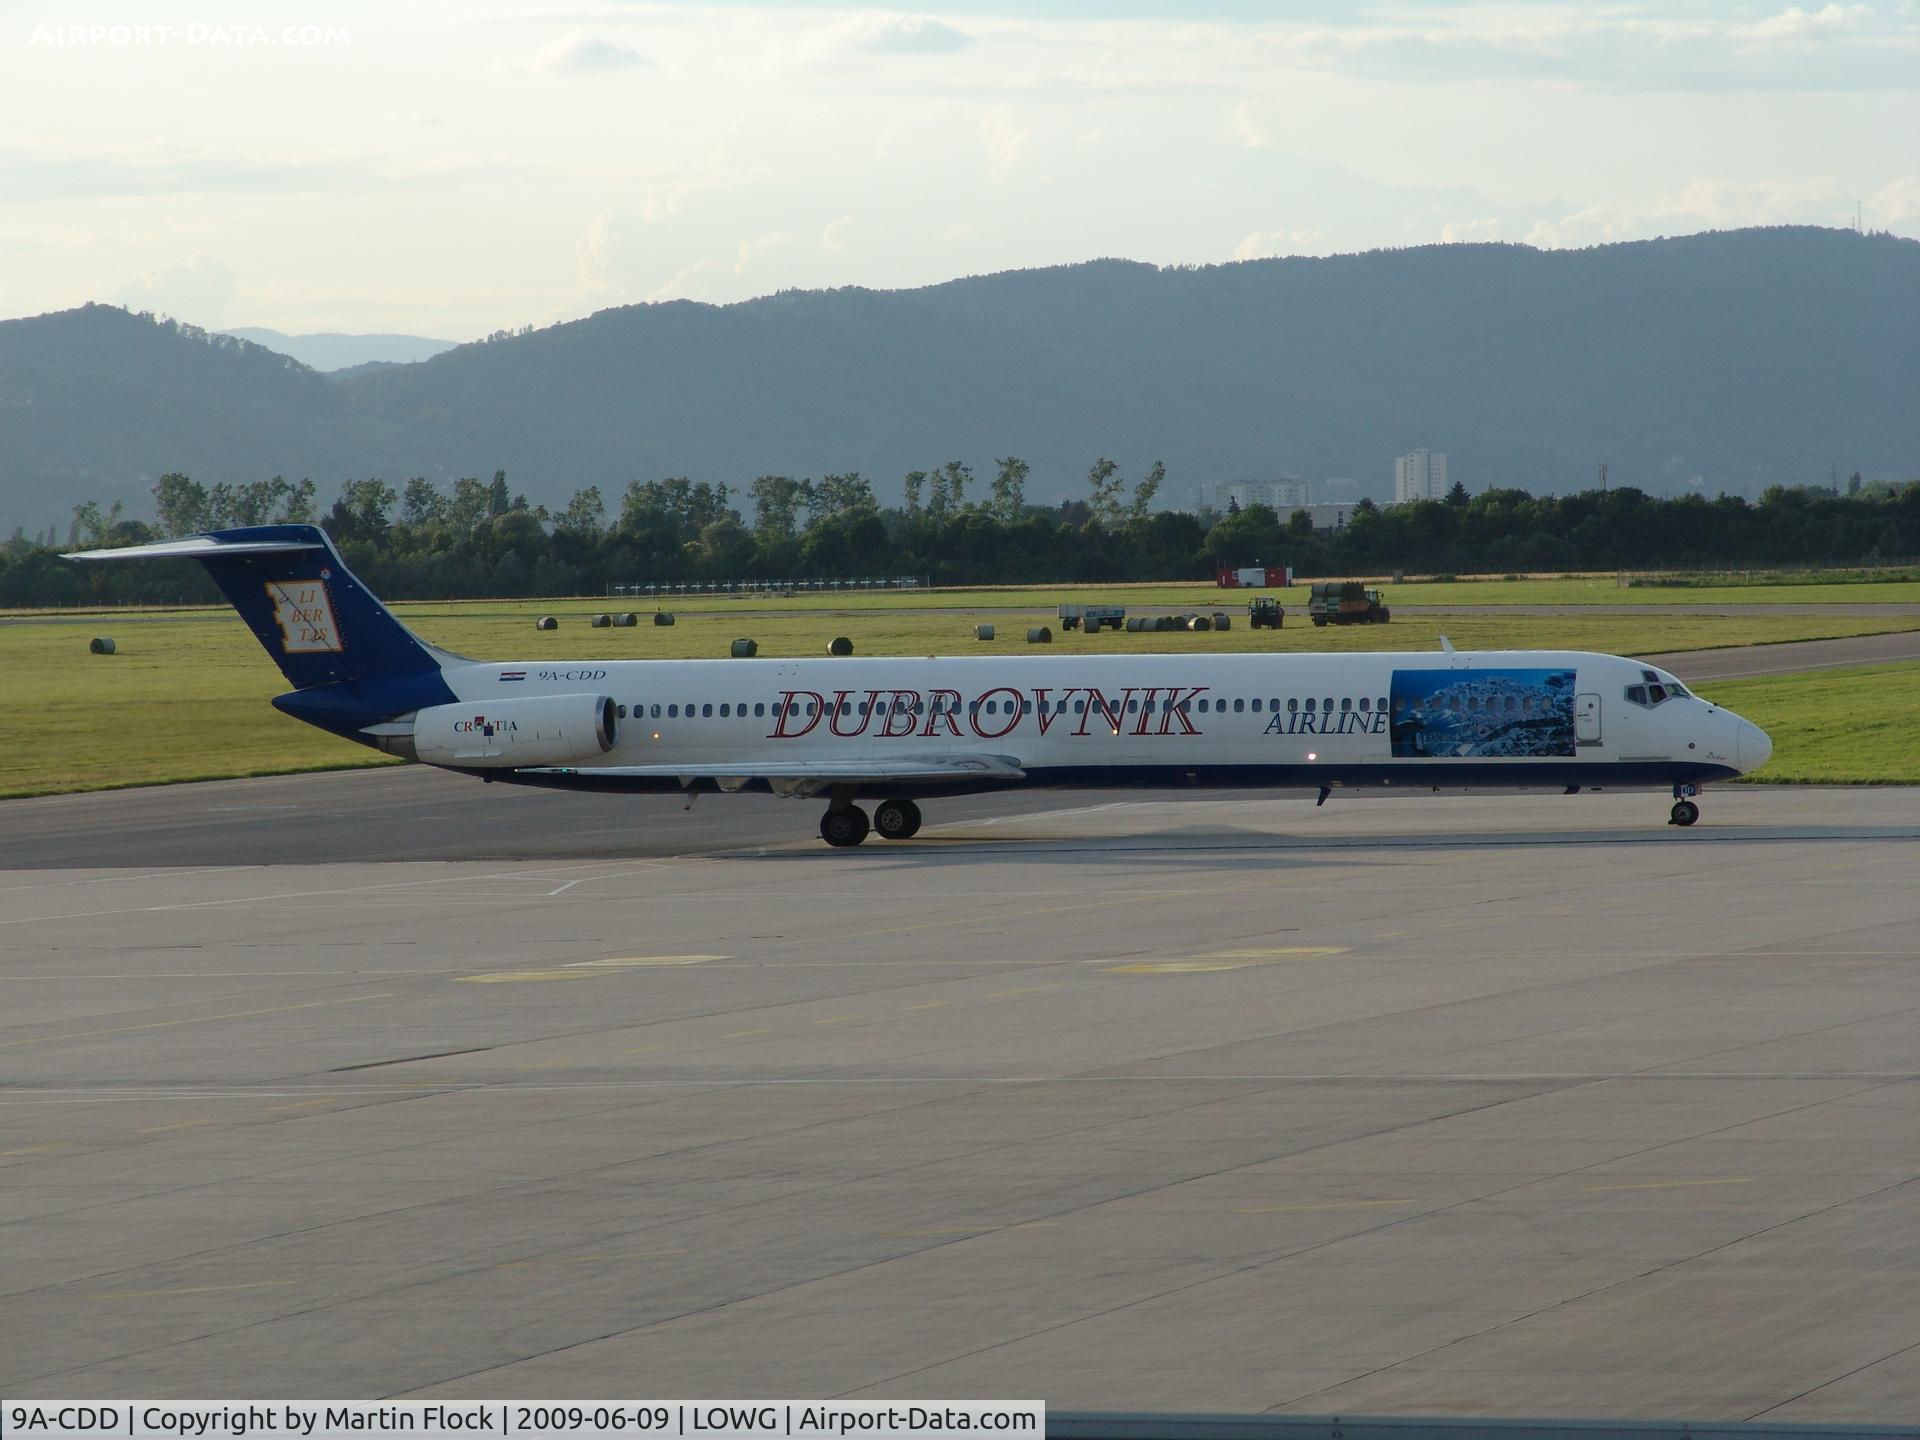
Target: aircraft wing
[{"x": 805, "y": 777}]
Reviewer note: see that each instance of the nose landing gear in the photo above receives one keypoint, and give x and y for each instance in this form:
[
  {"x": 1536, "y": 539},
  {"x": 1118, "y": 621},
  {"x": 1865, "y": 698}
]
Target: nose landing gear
[{"x": 1684, "y": 812}]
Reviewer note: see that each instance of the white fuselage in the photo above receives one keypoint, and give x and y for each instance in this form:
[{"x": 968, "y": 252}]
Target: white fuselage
[{"x": 1508, "y": 718}]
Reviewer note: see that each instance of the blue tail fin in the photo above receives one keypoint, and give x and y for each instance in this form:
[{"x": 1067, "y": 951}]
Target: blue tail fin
[{"x": 349, "y": 660}]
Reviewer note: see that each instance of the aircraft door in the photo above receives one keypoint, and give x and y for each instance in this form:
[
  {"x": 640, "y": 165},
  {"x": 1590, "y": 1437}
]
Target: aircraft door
[{"x": 1586, "y": 719}]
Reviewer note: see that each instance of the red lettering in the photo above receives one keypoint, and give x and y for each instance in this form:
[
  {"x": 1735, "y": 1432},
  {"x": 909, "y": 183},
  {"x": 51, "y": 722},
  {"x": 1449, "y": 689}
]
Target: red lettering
[
  {"x": 939, "y": 708},
  {"x": 899, "y": 719},
  {"x": 1013, "y": 718},
  {"x": 789, "y": 709},
  {"x": 1043, "y": 710},
  {"x": 835, "y": 715},
  {"x": 1094, "y": 697},
  {"x": 1178, "y": 699}
]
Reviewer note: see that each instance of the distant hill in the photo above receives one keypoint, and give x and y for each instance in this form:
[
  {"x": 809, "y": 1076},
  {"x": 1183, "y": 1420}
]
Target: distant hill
[
  {"x": 1744, "y": 358},
  {"x": 327, "y": 351}
]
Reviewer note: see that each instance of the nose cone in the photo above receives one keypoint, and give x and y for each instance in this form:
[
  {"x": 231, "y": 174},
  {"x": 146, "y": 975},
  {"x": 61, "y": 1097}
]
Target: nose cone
[{"x": 1752, "y": 748}]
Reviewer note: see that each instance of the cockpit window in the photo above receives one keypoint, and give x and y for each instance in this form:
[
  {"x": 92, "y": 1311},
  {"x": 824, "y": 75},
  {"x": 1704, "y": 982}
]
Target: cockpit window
[
  {"x": 1674, "y": 687},
  {"x": 1637, "y": 694}
]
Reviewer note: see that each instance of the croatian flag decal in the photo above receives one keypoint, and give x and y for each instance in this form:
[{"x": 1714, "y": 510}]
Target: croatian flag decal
[{"x": 506, "y": 675}]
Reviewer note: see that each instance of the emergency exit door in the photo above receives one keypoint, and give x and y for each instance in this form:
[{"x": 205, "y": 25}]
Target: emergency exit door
[{"x": 1586, "y": 719}]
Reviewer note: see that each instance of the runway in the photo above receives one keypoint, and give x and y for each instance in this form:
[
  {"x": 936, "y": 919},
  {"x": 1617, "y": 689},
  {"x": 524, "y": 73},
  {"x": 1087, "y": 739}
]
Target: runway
[{"x": 1470, "y": 1106}]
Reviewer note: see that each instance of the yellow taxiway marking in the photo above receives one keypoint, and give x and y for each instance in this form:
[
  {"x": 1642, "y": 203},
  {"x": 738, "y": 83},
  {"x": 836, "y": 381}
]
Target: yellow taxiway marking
[
  {"x": 303, "y": 1104},
  {"x": 1028, "y": 990},
  {"x": 1330, "y": 1205},
  {"x": 837, "y": 1019},
  {"x": 593, "y": 1259},
  {"x": 1278, "y": 952},
  {"x": 187, "y": 1290},
  {"x": 178, "y": 1125},
  {"x": 33, "y": 1149},
  {"x": 1177, "y": 967},
  {"x": 982, "y": 1228},
  {"x": 930, "y": 1005},
  {"x": 1670, "y": 1184},
  {"x": 192, "y": 1020},
  {"x": 736, "y": 1034},
  {"x": 516, "y": 977},
  {"x": 636, "y": 961}
]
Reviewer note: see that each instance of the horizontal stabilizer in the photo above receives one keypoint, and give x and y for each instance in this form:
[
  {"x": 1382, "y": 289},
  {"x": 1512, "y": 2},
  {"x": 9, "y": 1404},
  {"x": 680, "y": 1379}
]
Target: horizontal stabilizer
[{"x": 197, "y": 547}]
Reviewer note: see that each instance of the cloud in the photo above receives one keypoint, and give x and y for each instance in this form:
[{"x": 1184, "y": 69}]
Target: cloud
[
  {"x": 1269, "y": 244},
  {"x": 1456, "y": 232},
  {"x": 1702, "y": 204},
  {"x": 1247, "y": 130},
  {"x": 598, "y": 251},
  {"x": 750, "y": 250},
  {"x": 906, "y": 35},
  {"x": 1006, "y": 140},
  {"x": 583, "y": 54},
  {"x": 834, "y": 237},
  {"x": 678, "y": 286},
  {"x": 1895, "y": 203},
  {"x": 197, "y": 291}
]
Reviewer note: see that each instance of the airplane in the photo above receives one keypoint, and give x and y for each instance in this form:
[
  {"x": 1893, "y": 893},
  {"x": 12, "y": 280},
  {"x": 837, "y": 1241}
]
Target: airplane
[{"x": 893, "y": 729}]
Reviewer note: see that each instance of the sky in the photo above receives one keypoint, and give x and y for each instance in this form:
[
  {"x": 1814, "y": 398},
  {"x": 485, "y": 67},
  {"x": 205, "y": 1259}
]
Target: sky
[{"x": 450, "y": 168}]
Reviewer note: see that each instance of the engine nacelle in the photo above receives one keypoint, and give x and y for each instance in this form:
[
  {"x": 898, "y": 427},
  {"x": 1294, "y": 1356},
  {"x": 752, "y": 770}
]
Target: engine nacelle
[{"x": 499, "y": 734}]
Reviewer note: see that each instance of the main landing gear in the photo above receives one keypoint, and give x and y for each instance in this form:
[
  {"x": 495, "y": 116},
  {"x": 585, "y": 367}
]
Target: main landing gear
[
  {"x": 1684, "y": 812},
  {"x": 846, "y": 825}
]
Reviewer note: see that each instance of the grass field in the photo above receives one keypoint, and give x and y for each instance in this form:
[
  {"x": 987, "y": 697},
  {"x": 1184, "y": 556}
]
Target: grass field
[
  {"x": 1830, "y": 727},
  {"x": 1042, "y": 599},
  {"x": 185, "y": 697}
]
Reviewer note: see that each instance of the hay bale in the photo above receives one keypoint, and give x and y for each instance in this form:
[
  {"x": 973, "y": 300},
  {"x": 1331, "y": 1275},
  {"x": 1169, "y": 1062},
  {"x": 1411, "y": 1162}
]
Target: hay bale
[
  {"x": 840, "y": 645},
  {"x": 546, "y": 622},
  {"x": 983, "y": 632},
  {"x": 745, "y": 649},
  {"x": 100, "y": 645},
  {"x": 1199, "y": 622},
  {"x": 1039, "y": 635},
  {"x": 663, "y": 617},
  {"x": 626, "y": 618},
  {"x": 601, "y": 622}
]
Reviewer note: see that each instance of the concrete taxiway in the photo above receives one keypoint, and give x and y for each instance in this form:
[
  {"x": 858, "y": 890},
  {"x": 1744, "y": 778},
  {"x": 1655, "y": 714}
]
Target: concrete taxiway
[{"x": 1437, "y": 1105}]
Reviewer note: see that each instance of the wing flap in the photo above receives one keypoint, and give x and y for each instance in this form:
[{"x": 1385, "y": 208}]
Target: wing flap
[{"x": 901, "y": 769}]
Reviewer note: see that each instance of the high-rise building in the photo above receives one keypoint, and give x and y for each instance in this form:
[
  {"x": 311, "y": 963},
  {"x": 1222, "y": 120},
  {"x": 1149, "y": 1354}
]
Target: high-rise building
[
  {"x": 1419, "y": 475},
  {"x": 1282, "y": 496}
]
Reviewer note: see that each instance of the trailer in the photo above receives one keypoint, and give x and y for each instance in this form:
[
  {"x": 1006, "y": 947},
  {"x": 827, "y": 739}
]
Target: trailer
[
  {"x": 1346, "y": 602},
  {"x": 1092, "y": 617}
]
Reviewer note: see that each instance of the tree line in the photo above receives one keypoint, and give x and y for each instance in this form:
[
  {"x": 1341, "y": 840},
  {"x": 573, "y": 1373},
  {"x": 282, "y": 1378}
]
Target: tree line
[{"x": 478, "y": 538}]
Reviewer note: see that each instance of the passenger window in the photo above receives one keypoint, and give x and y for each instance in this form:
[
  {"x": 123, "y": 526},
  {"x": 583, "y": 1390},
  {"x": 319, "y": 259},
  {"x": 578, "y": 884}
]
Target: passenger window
[
  {"x": 1079, "y": 707},
  {"x": 673, "y": 712},
  {"x": 1327, "y": 704},
  {"x": 1133, "y": 707},
  {"x": 723, "y": 712},
  {"x": 707, "y": 711},
  {"x": 1365, "y": 703},
  {"x": 760, "y": 708},
  {"x": 656, "y": 712},
  {"x": 1238, "y": 706},
  {"x": 1293, "y": 706},
  {"x": 1346, "y": 702}
]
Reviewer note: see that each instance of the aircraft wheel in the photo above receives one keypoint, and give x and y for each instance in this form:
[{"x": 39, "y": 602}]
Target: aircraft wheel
[
  {"x": 842, "y": 828},
  {"x": 1685, "y": 812},
  {"x": 897, "y": 820}
]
